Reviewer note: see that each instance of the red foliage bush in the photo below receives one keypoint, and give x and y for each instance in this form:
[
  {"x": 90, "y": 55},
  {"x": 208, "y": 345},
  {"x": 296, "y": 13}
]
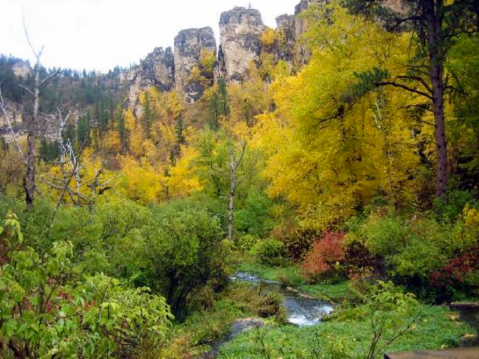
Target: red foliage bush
[
  {"x": 462, "y": 273},
  {"x": 326, "y": 256}
]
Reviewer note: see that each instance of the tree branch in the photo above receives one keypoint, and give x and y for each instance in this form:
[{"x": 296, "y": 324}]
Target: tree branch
[
  {"x": 407, "y": 88},
  {"x": 9, "y": 123}
]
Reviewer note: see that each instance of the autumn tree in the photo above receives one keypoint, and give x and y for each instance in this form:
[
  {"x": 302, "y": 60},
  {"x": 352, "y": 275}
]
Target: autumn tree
[
  {"x": 437, "y": 24},
  {"x": 330, "y": 146}
]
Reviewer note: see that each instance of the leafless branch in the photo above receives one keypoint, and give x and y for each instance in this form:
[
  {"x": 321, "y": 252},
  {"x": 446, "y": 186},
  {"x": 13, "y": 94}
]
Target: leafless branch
[
  {"x": 52, "y": 75},
  {"x": 27, "y": 89},
  {"x": 38, "y": 55}
]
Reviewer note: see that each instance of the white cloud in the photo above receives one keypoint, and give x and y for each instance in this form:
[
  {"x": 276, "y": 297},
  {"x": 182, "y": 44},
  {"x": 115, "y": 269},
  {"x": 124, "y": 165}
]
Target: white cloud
[{"x": 100, "y": 34}]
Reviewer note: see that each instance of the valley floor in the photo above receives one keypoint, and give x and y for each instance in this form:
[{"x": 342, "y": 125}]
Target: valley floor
[{"x": 347, "y": 335}]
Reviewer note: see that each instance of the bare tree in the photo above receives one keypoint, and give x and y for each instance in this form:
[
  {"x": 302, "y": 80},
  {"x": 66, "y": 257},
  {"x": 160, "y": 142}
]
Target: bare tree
[
  {"x": 29, "y": 182},
  {"x": 235, "y": 162}
]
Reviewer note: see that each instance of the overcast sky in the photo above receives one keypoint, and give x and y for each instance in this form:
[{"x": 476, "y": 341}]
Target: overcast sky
[{"x": 100, "y": 34}]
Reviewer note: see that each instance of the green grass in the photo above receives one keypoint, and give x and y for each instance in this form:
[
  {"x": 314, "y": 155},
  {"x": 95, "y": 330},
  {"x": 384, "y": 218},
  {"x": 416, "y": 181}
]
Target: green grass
[
  {"x": 330, "y": 292},
  {"x": 345, "y": 339}
]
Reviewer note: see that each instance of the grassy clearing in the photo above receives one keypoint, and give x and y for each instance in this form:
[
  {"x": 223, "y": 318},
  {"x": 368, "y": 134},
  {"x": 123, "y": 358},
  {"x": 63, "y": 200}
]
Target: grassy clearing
[{"x": 344, "y": 339}]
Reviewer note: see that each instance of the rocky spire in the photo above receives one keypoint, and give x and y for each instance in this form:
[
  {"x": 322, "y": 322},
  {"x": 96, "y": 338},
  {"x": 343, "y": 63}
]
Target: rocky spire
[
  {"x": 191, "y": 48},
  {"x": 157, "y": 69},
  {"x": 240, "y": 42}
]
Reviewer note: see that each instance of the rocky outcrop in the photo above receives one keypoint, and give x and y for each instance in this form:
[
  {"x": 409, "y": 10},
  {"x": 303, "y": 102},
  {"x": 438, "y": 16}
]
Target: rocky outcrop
[
  {"x": 240, "y": 33},
  {"x": 285, "y": 26},
  {"x": 192, "y": 47},
  {"x": 157, "y": 69},
  {"x": 302, "y": 54},
  {"x": 21, "y": 69}
]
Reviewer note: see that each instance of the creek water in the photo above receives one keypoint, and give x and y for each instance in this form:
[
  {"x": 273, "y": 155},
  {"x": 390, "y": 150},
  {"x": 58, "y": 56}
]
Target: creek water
[{"x": 302, "y": 310}]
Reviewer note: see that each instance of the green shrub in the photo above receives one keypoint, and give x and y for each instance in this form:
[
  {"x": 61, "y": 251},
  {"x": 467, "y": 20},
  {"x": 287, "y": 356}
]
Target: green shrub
[
  {"x": 182, "y": 252},
  {"x": 384, "y": 235},
  {"x": 254, "y": 217},
  {"x": 247, "y": 242},
  {"x": 270, "y": 252},
  {"x": 48, "y": 309},
  {"x": 448, "y": 209}
]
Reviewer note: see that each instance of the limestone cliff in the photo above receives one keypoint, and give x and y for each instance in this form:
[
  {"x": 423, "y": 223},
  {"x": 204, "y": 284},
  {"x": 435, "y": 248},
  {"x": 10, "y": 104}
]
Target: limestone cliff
[
  {"x": 240, "y": 42},
  {"x": 192, "y": 47},
  {"x": 285, "y": 26},
  {"x": 157, "y": 69}
]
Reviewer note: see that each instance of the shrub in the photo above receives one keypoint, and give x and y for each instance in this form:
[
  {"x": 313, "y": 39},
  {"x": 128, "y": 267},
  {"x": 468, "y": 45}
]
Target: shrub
[
  {"x": 183, "y": 251},
  {"x": 326, "y": 257},
  {"x": 384, "y": 235},
  {"x": 299, "y": 243},
  {"x": 450, "y": 208},
  {"x": 247, "y": 242},
  {"x": 410, "y": 249},
  {"x": 254, "y": 217},
  {"x": 461, "y": 274},
  {"x": 48, "y": 310},
  {"x": 270, "y": 252},
  {"x": 359, "y": 259}
]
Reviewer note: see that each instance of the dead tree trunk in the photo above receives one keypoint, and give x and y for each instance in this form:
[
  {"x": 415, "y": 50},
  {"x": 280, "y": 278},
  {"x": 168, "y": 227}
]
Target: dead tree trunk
[{"x": 29, "y": 182}]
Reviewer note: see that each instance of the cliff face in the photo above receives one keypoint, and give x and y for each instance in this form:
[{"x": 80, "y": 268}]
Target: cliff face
[
  {"x": 192, "y": 47},
  {"x": 157, "y": 69},
  {"x": 240, "y": 33}
]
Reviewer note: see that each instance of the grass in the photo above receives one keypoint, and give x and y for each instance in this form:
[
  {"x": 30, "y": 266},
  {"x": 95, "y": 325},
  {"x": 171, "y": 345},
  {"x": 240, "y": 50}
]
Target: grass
[
  {"x": 329, "y": 292},
  {"x": 345, "y": 339},
  {"x": 206, "y": 327},
  {"x": 203, "y": 328},
  {"x": 336, "y": 338}
]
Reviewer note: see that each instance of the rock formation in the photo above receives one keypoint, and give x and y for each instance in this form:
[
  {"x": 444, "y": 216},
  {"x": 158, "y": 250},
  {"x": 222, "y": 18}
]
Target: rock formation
[
  {"x": 21, "y": 69},
  {"x": 157, "y": 69},
  {"x": 302, "y": 53},
  {"x": 285, "y": 25},
  {"x": 191, "y": 48},
  {"x": 240, "y": 44}
]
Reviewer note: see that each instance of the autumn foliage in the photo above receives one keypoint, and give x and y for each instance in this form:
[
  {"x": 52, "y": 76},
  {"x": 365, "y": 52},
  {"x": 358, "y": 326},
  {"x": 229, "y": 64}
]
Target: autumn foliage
[{"x": 326, "y": 256}]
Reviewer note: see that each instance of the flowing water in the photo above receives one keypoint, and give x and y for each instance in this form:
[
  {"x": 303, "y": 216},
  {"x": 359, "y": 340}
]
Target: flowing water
[{"x": 302, "y": 310}]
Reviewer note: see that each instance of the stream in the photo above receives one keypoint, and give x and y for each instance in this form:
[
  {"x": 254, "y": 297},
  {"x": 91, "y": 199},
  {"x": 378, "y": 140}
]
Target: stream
[{"x": 302, "y": 310}]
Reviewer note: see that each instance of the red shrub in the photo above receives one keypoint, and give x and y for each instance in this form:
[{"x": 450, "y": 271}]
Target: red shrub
[
  {"x": 326, "y": 256},
  {"x": 462, "y": 273}
]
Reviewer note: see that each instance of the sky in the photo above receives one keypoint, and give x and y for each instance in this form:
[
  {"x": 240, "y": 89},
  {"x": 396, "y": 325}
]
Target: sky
[{"x": 102, "y": 34}]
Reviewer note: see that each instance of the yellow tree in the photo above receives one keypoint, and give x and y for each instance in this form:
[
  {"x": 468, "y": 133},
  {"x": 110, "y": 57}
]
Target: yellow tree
[{"x": 331, "y": 146}]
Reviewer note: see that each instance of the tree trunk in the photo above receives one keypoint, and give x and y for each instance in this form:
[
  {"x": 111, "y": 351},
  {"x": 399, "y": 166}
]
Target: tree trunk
[
  {"x": 434, "y": 18},
  {"x": 29, "y": 182},
  {"x": 231, "y": 206}
]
